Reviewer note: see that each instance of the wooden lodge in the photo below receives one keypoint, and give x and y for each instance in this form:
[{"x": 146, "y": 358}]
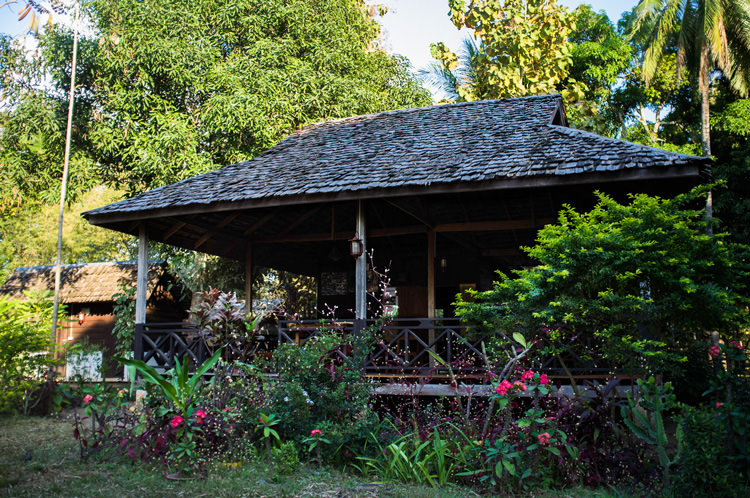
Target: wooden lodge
[
  {"x": 443, "y": 196},
  {"x": 87, "y": 291}
]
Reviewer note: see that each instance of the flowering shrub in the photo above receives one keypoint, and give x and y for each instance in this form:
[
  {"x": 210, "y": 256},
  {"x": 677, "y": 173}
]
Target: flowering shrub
[{"x": 318, "y": 387}]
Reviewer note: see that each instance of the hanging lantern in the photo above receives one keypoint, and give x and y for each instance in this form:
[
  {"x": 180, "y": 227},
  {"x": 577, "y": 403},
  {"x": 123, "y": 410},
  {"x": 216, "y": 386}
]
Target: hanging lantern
[
  {"x": 356, "y": 246},
  {"x": 81, "y": 317},
  {"x": 443, "y": 263}
]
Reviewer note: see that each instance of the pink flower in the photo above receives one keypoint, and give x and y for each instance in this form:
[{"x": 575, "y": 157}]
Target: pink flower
[
  {"x": 87, "y": 399},
  {"x": 176, "y": 421},
  {"x": 715, "y": 351},
  {"x": 502, "y": 388},
  {"x": 719, "y": 405},
  {"x": 736, "y": 344},
  {"x": 527, "y": 375},
  {"x": 199, "y": 416},
  {"x": 543, "y": 438},
  {"x": 519, "y": 385},
  {"x": 543, "y": 380},
  {"x": 316, "y": 432}
]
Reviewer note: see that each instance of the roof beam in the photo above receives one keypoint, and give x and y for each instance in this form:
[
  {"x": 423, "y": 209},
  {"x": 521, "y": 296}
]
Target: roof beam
[
  {"x": 299, "y": 220},
  {"x": 175, "y": 228},
  {"x": 492, "y": 226},
  {"x": 416, "y": 217},
  {"x": 599, "y": 178},
  {"x": 265, "y": 219}
]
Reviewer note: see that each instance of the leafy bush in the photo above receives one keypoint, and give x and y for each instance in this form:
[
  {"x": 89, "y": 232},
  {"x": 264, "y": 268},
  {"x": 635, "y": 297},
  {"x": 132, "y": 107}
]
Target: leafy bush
[
  {"x": 633, "y": 278},
  {"x": 702, "y": 464},
  {"x": 321, "y": 386},
  {"x": 24, "y": 352},
  {"x": 285, "y": 458}
]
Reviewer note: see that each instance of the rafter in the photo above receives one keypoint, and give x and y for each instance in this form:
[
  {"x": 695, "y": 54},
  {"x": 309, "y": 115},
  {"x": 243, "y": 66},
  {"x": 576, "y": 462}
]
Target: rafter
[
  {"x": 415, "y": 216},
  {"x": 175, "y": 228},
  {"x": 265, "y": 219}
]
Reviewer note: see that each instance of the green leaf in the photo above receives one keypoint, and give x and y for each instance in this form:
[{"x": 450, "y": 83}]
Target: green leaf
[{"x": 519, "y": 338}]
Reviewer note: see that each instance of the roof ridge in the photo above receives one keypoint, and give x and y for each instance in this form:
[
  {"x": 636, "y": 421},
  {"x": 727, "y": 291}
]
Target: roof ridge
[
  {"x": 409, "y": 110},
  {"x": 82, "y": 265}
]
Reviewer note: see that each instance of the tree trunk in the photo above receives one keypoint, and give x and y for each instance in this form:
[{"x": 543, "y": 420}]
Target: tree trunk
[
  {"x": 704, "y": 82},
  {"x": 63, "y": 188}
]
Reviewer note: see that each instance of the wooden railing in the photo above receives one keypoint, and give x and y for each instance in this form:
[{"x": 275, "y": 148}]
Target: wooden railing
[
  {"x": 158, "y": 344},
  {"x": 406, "y": 346},
  {"x": 420, "y": 347}
]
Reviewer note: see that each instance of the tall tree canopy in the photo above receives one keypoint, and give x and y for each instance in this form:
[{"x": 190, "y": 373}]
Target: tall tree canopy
[
  {"x": 522, "y": 47},
  {"x": 710, "y": 33},
  {"x": 167, "y": 89},
  {"x": 186, "y": 86}
]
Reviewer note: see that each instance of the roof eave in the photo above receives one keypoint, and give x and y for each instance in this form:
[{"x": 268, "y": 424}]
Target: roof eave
[{"x": 700, "y": 170}]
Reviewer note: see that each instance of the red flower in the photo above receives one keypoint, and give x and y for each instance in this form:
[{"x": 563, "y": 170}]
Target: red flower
[
  {"x": 715, "y": 351},
  {"x": 176, "y": 421},
  {"x": 520, "y": 385},
  {"x": 527, "y": 375},
  {"x": 87, "y": 399},
  {"x": 543, "y": 379},
  {"x": 543, "y": 438},
  {"x": 316, "y": 432},
  {"x": 199, "y": 416},
  {"x": 502, "y": 388},
  {"x": 719, "y": 405}
]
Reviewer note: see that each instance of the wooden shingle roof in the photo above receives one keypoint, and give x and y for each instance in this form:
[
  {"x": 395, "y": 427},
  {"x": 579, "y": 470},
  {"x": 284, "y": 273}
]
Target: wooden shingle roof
[
  {"x": 82, "y": 283},
  {"x": 477, "y": 145}
]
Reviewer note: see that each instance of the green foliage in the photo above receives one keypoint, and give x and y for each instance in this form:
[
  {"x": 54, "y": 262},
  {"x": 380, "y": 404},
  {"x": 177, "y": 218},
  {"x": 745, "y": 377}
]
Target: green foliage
[
  {"x": 701, "y": 463},
  {"x": 434, "y": 460},
  {"x": 646, "y": 420},
  {"x": 599, "y": 56},
  {"x": 704, "y": 29},
  {"x": 186, "y": 86},
  {"x": 321, "y": 387},
  {"x": 731, "y": 145},
  {"x": 124, "y": 312},
  {"x": 180, "y": 389},
  {"x": 285, "y": 458},
  {"x": 524, "y": 47},
  {"x": 25, "y": 349},
  {"x": 635, "y": 277},
  {"x": 28, "y": 234}
]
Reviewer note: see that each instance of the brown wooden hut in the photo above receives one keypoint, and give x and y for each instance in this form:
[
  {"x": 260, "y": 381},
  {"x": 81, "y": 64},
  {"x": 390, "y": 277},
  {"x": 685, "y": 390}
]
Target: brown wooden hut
[
  {"x": 87, "y": 290},
  {"x": 444, "y": 195}
]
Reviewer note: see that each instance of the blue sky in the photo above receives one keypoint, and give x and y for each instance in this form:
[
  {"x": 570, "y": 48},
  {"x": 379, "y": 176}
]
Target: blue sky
[
  {"x": 411, "y": 25},
  {"x": 408, "y": 28}
]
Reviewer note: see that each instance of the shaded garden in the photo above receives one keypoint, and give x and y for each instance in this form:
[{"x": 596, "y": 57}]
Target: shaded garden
[{"x": 640, "y": 282}]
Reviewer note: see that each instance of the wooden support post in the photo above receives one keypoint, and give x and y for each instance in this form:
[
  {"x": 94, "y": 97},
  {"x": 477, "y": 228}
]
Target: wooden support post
[
  {"x": 431, "y": 287},
  {"x": 249, "y": 280},
  {"x": 142, "y": 277},
  {"x": 360, "y": 272}
]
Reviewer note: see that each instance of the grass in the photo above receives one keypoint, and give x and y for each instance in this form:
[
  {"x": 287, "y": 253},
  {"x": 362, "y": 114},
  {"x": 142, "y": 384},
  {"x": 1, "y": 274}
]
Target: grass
[{"x": 39, "y": 457}]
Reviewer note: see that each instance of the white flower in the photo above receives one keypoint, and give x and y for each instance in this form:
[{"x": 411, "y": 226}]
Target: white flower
[
  {"x": 309, "y": 401},
  {"x": 286, "y": 398}
]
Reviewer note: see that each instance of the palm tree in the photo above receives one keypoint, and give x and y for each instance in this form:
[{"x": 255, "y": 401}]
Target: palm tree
[
  {"x": 463, "y": 82},
  {"x": 709, "y": 33}
]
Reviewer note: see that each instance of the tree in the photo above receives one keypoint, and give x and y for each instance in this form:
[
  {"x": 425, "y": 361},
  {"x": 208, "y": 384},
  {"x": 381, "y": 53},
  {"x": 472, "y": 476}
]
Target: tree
[
  {"x": 637, "y": 278},
  {"x": 183, "y": 87},
  {"x": 709, "y": 32},
  {"x": 600, "y": 56},
  {"x": 456, "y": 75},
  {"x": 28, "y": 234},
  {"x": 522, "y": 47}
]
